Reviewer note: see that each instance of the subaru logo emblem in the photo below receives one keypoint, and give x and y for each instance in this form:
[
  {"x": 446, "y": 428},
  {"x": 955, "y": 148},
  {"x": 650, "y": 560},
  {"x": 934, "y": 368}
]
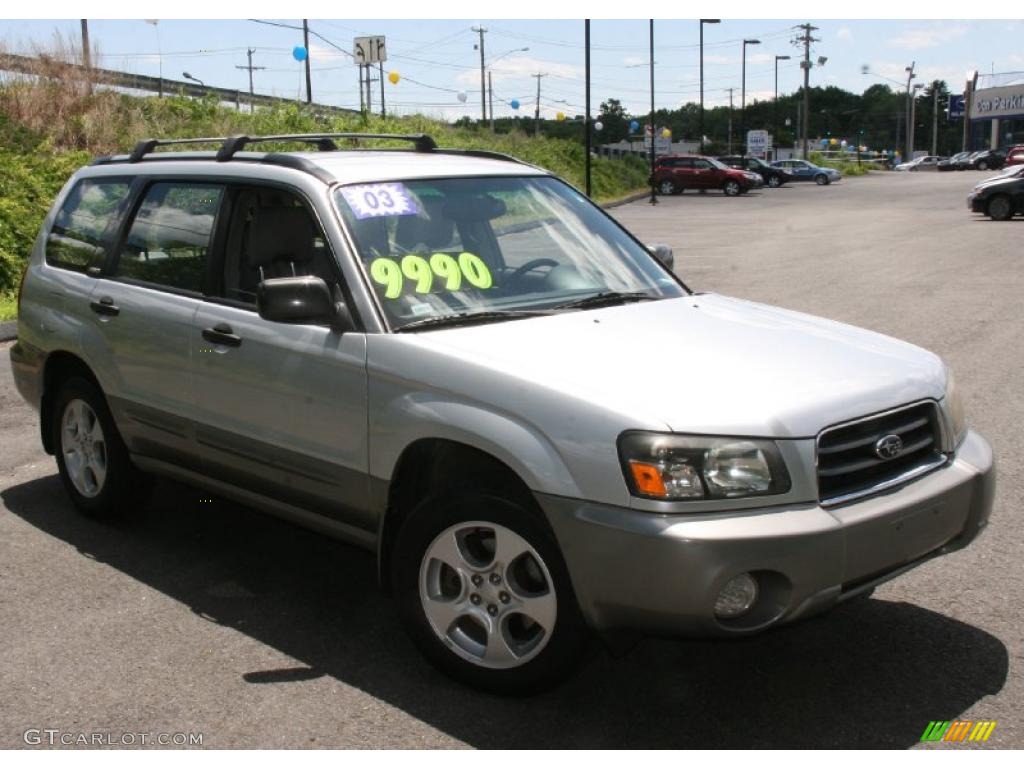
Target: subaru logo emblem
[{"x": 889, "y": 447}]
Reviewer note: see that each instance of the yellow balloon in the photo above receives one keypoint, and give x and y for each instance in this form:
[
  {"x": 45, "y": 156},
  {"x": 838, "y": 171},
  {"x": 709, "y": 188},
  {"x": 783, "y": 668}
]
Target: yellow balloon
[
  {"x": 560, "y": 116},
  {"x": 666, "y": 133},
  {"x": 394, "y": 77},
  {"x": 833, "y": 142}
]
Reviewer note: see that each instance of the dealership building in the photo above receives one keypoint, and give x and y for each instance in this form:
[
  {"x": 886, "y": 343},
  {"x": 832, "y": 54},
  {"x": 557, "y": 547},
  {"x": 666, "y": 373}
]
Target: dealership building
[{"x": 997, "y": 111}]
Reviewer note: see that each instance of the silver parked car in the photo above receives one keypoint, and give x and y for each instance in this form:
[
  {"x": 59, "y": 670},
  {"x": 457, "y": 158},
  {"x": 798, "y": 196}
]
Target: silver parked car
[{"x": 458, "y": 362}]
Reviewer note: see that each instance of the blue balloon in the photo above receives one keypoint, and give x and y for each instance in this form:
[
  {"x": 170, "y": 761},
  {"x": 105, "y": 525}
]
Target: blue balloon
[
  {"x": 514, "y": 103},
  {"x": 634, "y": 126},
  {"x": 299, "y": 53}
]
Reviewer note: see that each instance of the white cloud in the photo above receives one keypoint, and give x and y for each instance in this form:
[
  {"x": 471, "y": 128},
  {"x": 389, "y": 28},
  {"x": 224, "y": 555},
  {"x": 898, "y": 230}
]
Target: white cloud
[
  {"x": 844, "y": 33},
  {"x": 633, "y": 61},
  {"x": 520, "y": 67},
  {"x": 928, "y": 37}
]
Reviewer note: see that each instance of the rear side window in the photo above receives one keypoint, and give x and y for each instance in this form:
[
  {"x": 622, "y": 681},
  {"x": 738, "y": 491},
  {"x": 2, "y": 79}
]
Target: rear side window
[
  {"x": 169, "y": 238},
  {"x": 76, "y": 239}
]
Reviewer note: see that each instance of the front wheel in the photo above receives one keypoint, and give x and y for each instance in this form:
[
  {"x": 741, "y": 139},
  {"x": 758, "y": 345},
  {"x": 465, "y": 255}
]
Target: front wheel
[
  {"x": 774, "y": 182},
  {"x": 93, "y": 461},
  {"x": 1000, "y": 208},
  {"x": 732, "y": 188},
  {"x": 485, "y": 594},
  {"x": 821, "y": 179},
  {"x": 667, "y": 187}
]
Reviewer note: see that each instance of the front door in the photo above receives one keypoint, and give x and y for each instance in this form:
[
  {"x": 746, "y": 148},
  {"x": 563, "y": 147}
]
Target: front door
[{"x": 280, "y": 408}]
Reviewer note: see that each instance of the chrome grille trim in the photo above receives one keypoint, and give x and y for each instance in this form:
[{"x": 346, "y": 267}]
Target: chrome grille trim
[{"x": 848, "y": 468}]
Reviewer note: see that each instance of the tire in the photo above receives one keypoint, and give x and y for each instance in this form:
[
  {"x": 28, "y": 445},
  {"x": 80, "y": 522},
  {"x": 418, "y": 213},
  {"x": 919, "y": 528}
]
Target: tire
[
  {"x": 774, "y": 182},
  {"x": 982, "y": 166},
  {"x": 732, "y": 188},
  {"x": 92, "y": 459},
  {"x": 667, "y": 187},
  {"x": 462, "y": 603},
  {"x": 821, "y": 179},
  {"x": 1000, "y": 208}
]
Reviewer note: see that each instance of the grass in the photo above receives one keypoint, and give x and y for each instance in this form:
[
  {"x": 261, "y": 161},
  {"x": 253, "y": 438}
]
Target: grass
[{"x": 8, "y": 307}]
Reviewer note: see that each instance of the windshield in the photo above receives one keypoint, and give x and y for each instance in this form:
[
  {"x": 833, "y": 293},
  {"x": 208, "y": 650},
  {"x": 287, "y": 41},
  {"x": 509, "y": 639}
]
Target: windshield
[{"x": 447, "y": 247}]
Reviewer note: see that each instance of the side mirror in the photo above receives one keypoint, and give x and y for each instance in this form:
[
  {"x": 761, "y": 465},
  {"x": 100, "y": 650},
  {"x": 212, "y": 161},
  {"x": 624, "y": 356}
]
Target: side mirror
[
  {"x": 663, "y": 253},
  {"x": 304, "y": 299}
]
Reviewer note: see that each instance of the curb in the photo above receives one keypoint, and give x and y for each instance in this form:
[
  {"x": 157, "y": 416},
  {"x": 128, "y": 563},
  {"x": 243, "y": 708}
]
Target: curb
[
  {"x": 9, "y": 330},
  {"x": 628, "y": 199}
]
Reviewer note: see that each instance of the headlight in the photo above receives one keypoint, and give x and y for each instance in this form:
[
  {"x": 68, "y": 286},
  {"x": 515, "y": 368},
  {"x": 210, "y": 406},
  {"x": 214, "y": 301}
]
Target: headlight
[
  {"x": 677, "y": 467},
  {"x": 955, "y": 410}
]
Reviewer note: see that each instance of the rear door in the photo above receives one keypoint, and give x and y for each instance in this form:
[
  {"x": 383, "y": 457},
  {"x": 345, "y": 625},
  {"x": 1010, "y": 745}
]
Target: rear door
[
  {"x": 280, "y": 408},
  {"x": 142, "y": 310}
]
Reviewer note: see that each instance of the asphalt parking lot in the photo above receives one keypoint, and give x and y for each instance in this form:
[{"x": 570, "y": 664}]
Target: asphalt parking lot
[{"x": 209, "y": 618}]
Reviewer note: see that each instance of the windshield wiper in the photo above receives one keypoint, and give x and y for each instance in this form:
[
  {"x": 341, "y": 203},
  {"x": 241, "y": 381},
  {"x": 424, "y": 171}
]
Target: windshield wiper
[
  {"x": 469, "y": 318},
  {"x": 605, "y": 298}
]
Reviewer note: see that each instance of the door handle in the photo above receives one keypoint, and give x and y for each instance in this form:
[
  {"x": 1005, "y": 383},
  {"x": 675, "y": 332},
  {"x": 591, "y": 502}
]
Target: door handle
[
  {"x": 222, "y": 333},
  {"x": 105, "y": 306}
]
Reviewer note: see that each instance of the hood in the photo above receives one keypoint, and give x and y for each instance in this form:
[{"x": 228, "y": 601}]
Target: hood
[{"x": 703, "y": 364}]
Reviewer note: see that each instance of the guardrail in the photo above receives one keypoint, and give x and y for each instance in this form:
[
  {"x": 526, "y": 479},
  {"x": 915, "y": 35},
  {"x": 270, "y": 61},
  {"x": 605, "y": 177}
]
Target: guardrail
[{"x": 30, "y": 65}]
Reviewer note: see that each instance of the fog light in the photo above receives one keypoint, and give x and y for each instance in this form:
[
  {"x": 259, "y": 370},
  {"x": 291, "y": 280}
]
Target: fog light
[{"x": 736, "y": 597}]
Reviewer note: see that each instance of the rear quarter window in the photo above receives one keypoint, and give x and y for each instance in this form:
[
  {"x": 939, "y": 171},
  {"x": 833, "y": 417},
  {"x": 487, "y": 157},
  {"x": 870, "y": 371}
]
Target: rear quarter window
[{"x": 76, "y": 239}]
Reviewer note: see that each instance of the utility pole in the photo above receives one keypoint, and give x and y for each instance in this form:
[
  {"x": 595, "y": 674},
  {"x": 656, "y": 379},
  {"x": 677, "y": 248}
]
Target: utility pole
[
  {"x": 935, "y": 118},
  {"x": 305, "y": 43},
  {"x": 909, "y": 154},
  {"x": 249, "y": 52},
  {"x": 490, "y": 98},
  {"x": 383, "y": 112},
  {"x": 536, "y": 114},
  {"x": 586, "y": 119},
  {"x": 654, "y": 186},
  {"x": 483, "y": 87},
  {"x": 369, "y": 91},
  {"x": 730, "y": 90},
  {"x": 86, "y": 56},
  {"x": 806, "y": 39}
]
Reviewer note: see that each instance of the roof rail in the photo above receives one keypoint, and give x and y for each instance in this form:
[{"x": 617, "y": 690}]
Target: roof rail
[
  {"x": 323, "y": 141},
  {"x": 229, "y": 145}
]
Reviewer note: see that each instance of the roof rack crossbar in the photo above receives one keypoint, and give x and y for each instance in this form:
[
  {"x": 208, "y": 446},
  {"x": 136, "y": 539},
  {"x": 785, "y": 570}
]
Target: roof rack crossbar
[
  {"x": 146, "y": 146},
  {"x": 323, "y": 141}
]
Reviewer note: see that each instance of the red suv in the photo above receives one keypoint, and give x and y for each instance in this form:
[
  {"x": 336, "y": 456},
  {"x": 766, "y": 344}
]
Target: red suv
[
  {"x": 677, "y": 173},
  {"x": 1015, "y": 155}
]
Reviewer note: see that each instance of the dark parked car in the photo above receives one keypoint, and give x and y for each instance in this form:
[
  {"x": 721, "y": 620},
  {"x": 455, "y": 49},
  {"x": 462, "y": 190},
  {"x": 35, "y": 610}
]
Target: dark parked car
[
  {"x": 773, "y": 177},
  {"x": 958, "y": 162},
  {"x": 677, "y": 173},
  {"x": 988, "y": 159},
  {"x": 802, "y": 170},
  {"x": 999, "y": 198}
]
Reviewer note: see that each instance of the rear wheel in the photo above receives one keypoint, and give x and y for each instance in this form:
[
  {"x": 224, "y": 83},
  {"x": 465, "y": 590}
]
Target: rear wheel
[
  {"x": 983, "y": 165},
  {"x": 732, "y": 188},
  {"x": 485, "y": 594},
  {"x": 91, "y": 457},
  {"x": 1000, "y": 208},
  {"x": 774, "y": 181},
  {"x": 821, "y": 179},
  {"x": 667, "y": 187}
]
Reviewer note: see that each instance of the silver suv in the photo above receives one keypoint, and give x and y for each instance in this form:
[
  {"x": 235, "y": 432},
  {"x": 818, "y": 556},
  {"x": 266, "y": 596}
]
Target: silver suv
[{"x": 459, "y": 362}]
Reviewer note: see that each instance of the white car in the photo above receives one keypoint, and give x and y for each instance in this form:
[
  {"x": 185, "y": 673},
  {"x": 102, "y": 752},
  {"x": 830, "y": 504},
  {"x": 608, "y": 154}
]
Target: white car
[{"x": 925, "y": 163}]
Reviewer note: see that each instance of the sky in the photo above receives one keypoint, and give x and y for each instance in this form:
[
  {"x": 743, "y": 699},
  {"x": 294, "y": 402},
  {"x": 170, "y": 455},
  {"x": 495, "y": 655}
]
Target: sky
[{"x": 436, "y": 60}]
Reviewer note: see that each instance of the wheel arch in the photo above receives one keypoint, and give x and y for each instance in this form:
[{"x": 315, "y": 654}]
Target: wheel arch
[
  {"x": 432, "y": 465},
  {"x": 60, "y": 365}
]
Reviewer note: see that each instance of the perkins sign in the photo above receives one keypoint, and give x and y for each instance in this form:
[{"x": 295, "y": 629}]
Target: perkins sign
[{"x": 1007, "y": 101}]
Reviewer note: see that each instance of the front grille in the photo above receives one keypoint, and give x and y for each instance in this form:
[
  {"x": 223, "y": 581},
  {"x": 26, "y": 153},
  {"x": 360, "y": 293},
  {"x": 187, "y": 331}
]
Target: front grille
[{"x": 849, "y": 466}]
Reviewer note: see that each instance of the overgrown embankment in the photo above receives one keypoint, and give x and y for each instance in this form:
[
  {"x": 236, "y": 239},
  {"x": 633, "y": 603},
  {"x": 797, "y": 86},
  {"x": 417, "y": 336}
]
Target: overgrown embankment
[{"x": 49, "y": 127}]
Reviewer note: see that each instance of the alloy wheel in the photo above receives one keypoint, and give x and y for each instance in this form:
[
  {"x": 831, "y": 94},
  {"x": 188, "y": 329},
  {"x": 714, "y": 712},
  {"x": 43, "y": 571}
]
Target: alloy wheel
[
  {"x": 487, "y": 594},
  {"x": 84, "y": 447}
]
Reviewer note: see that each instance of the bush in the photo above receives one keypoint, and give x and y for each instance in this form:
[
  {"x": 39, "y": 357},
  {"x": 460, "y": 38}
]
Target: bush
[{"x": 844, "y": 166}]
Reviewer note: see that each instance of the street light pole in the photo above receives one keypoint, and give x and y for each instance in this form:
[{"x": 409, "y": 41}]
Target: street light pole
[
  {"x": 586, "y": 119},
  {"x": 743, "y": 94},
  {"x": 700, "y": 118},
  {"x": 654, "y": 192},
  {"x": 935, "y": 118},
  {"x": 913, "y": 119},
  {"x": 775, "y": 104},
  {"x": 910, "y": 100},
  {"x": 483, "y": 84},
  {"x": 490, "y": 86}
]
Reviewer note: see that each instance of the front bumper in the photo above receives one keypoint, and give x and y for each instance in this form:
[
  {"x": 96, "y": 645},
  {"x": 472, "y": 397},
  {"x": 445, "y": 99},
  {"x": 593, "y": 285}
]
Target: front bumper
[
  {"x": 661, "y": 574},
  {"x": 975, "y": 203}
]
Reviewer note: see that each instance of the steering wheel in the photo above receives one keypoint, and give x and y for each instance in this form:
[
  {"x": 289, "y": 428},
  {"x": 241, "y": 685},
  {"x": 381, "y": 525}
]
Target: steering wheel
[{"x": 529, "y": 267}]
